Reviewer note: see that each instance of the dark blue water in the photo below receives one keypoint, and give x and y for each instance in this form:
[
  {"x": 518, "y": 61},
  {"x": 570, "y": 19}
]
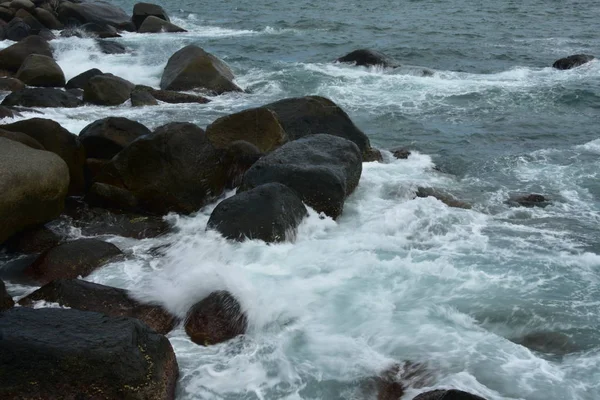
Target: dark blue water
[{"x": 395, "y": 278}]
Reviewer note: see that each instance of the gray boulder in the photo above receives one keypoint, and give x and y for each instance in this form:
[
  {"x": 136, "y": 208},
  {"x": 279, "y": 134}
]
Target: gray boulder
[
  {"x": 13, "y": 56},
  {"x": 141, "y": 11},
  {"x": 42, "y": 97},
  {"x": 99, "y": 12},
  {"x": 106, "y": 137},
  {"x": 572, "y": 61},
  {"x": 79, "y": 81},
  {"x": 38, "y": 70},
  {"x": 107, "y": 90}
]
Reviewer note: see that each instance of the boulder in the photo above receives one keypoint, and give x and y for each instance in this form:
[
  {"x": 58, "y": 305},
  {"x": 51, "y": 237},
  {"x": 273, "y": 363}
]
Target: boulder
[
  {"x": 102, "y": 31},
  {"x": 193, "y": 68},
  {"x": 21, "y": 138},
  {"x": 368, "y": 58},
  {"x": 6, "y": 300},
  {"x": 393, "y": 381},
  {"x": 6, "y": 14},
  {"x": 572, "y": 61},
  {"x": 141, "y": 11},
  {"x": 276, "y": 212},
  {"x": 305, "y": 116},
  {"x": 216, "y": 319},
  {"x": 109, "y": 47},
  {"x": 174, "y": 169},
  {"x": 10, "y": 84},
  {"x": 322, "y": 169},
  {"x": 258, "y": 126},
  {"x": 238, "y": 158},
  {"x": 154, "y": 24},
  {"x": 401, "y": 153},
  {"x": 45, "y": 34},
  {"x": 530, "y": 200},
  {"x": 547, "y": 342},
  {"x": 13, "y": 56},
  {"x": 445, "y": 198},
  {"x": 48, "y": 19},
  {"x": 106, "y": 137},
  {"x": 98, "y": 12},
  {"x": 38, "y": 70},
  {"x": 33, "y": 240},
  {"x": 30, "y": 20},
  {"x": 447, "y": 394},
  {"x": 42, "y": 97},
  {"x": 107, "y": 90},
  {"x": 58, "y": 140},
  {"x": 109, "y": 196},
  {"x": 72, "y": 259},
  {"x": 82, "y": 79},
  {"x": 88, "y": 296},
  {"x": 54, "y": 353},
  {"x": 17, "y": 30},
  {"x": 172, "y": 97},
  {"x": 22, "y": 5},
  {"x": 33, "y": 186},
  {"x": 140, "y": 98}
]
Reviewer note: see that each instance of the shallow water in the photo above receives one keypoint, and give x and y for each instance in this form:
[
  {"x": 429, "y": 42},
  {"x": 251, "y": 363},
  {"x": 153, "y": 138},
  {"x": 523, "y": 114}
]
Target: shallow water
[{"x": 395, "y": 278}]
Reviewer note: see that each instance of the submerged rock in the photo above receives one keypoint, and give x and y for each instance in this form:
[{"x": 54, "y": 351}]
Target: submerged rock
[
  {"x": 106, "y": 137},
  {"x": 530, "y": 200},
  {"x": 6, "y": 300},
  {"x": 447, "y": 394},
  {"x": 445, "y": 198},
  {"x": 322, "y": 169},
  {"x": 72, "y": 354},
  {"x": 193, "y": 68},
  {"x": 88, "y": 296},
  {"x": 276, "y": 212},
  {"x": 34, "y": 240},
  {"x": 13, "y": 56},
  {"x": 216, "y": 319},
  {"x": 42, "y": 97},
  {"x": 72, "y": 259},
  {"x": 38, "y": 70},
  {"x": 401, "y": 153},
  {"x": 33, "y": 187},
  {"x": 368, "y": 58},
  {"x": 547, "y": 342},
  {"x": 572, "y": 61},
  {"x": 110, "y": 47}
]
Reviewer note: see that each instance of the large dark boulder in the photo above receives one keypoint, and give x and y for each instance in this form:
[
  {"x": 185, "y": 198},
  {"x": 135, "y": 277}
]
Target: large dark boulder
[
  {"x": 22, "y": 5},
  {"x": 450, "y": 394},
  {"x": 98, "y": 12},
  {"x": 33, "y": 241},
  {"x": 55, "y": 353},
  {"x": 216, "y": 319},
  {"x": 303, "y": 116},
  {"x": 58, "y": 140},
  {"x": 572, "y": 61},
  {"x": 368, "y": 58},
  {"x": 322, "y": 169},
  {"x": 6, "y": 300},
  {"x": 156, "y": 25},
  {"x": 38, "y": 70},
  {"x": 193, "y": 68},
  {"x": 258, "y": 126},
  {"x": 106, "y": 137},
  {"x": 8, "y": 84},
  {"x": 392, "y": 383},
  {"x": 141, "y": 11},
  {"x": 174, "y": 169},
  {"x": 42, "y": 97},
  {"x": 13, "y": 56},
  {"x": 79, "y": 81},
  {"x": 33, "y": 186},
  {"x": 17, "y": 30},
  {"x": 21, "y": 138},
  {"x": 30, "y": 20},
  {"x": 141, "y": 97},
  {"x": 88, "y": 296},
  {"x": 269, "y": 212},
  {"x": 72, "y": 259},
  {"x": 48, "y": 19},
  {"x": 107, "y": 90}
]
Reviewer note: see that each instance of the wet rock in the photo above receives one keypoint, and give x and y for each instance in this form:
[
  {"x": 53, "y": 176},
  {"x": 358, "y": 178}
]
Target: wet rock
[
  {"x": 169, "y": 96},
  {"x": 95, "y": 30},
  {"x": 106, "y": 137},
  {"x": 258, "y": 126},
  {"x": 98, "y": 12},
  {"x": 93, "y": 167},
  {"x": 445, "y": 198},
  {"x": 10, "y": 84},
  {"x": 447, "y": 394},
  {"x": 22, "y": 5},
  {"x": 72, "y": 354},
  {"x": 140, "y": 98},
  {"x": 42, "y": 97},
  {"x": 322, "y": 169},
  {"x": 109, "y": 196},
  {"x": 72, "y": 259},
  {"x": 392, "y": 383},
  {"x": 193, "y": 68},
  {"x": 156, "y": 25},
  {"x": 82, "y": 79},
  {"x": 6, "y": 300},
  {"x": 107, "y": 90},
  {"x": 174, "y": 169},
  {"x": 45, "y": 34},
  {"x": 33, "y": 186},
  {"x": 238, "y": 158},
  {"x": 401, "y": 153},
  {"x": 547, "y": 342},
  {"x": 88, "y": 296},
  {"x": 368, "y": 58},
  {"x": 13, "y": 56},
  {"x": 13, "y": 271},
  {"x": 109, "y": 47},
  {"x": 141, "y": 11},
  {"x": 33, "y": 240},
  {"x": 372, "y": 155},
  {"x": 21, "y": 138},
  {"x": 38, "y": 70},
  {"x": 58, "y": 140},
  {"x": 572, "y": 61},
  {"x": 6, "y": 112},
  {"x": 530, "y": 200},
  {"x": 30, "y": 20},
  {"x": 304, "y": 116},
  {"x": 216, "y": 319},
  {"x": 17, "y": 30},
  {"x": 48, "y": 19},
  {"x": 276, "y": 213}
]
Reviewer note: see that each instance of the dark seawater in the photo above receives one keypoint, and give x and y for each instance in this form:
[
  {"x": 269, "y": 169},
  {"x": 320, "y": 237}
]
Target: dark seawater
[{"x": 395, "y": 278}]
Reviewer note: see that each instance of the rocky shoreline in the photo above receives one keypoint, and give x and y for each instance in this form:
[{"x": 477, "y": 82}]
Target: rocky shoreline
[{"x": 119, "y": 177}]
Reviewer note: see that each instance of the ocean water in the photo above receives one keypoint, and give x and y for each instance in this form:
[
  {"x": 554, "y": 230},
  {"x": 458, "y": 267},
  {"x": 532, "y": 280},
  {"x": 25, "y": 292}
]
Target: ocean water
[{"x": 395, "y": 278}]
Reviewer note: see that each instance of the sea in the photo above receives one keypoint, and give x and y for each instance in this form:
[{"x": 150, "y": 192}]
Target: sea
[{"x": 461, "y": 292}]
